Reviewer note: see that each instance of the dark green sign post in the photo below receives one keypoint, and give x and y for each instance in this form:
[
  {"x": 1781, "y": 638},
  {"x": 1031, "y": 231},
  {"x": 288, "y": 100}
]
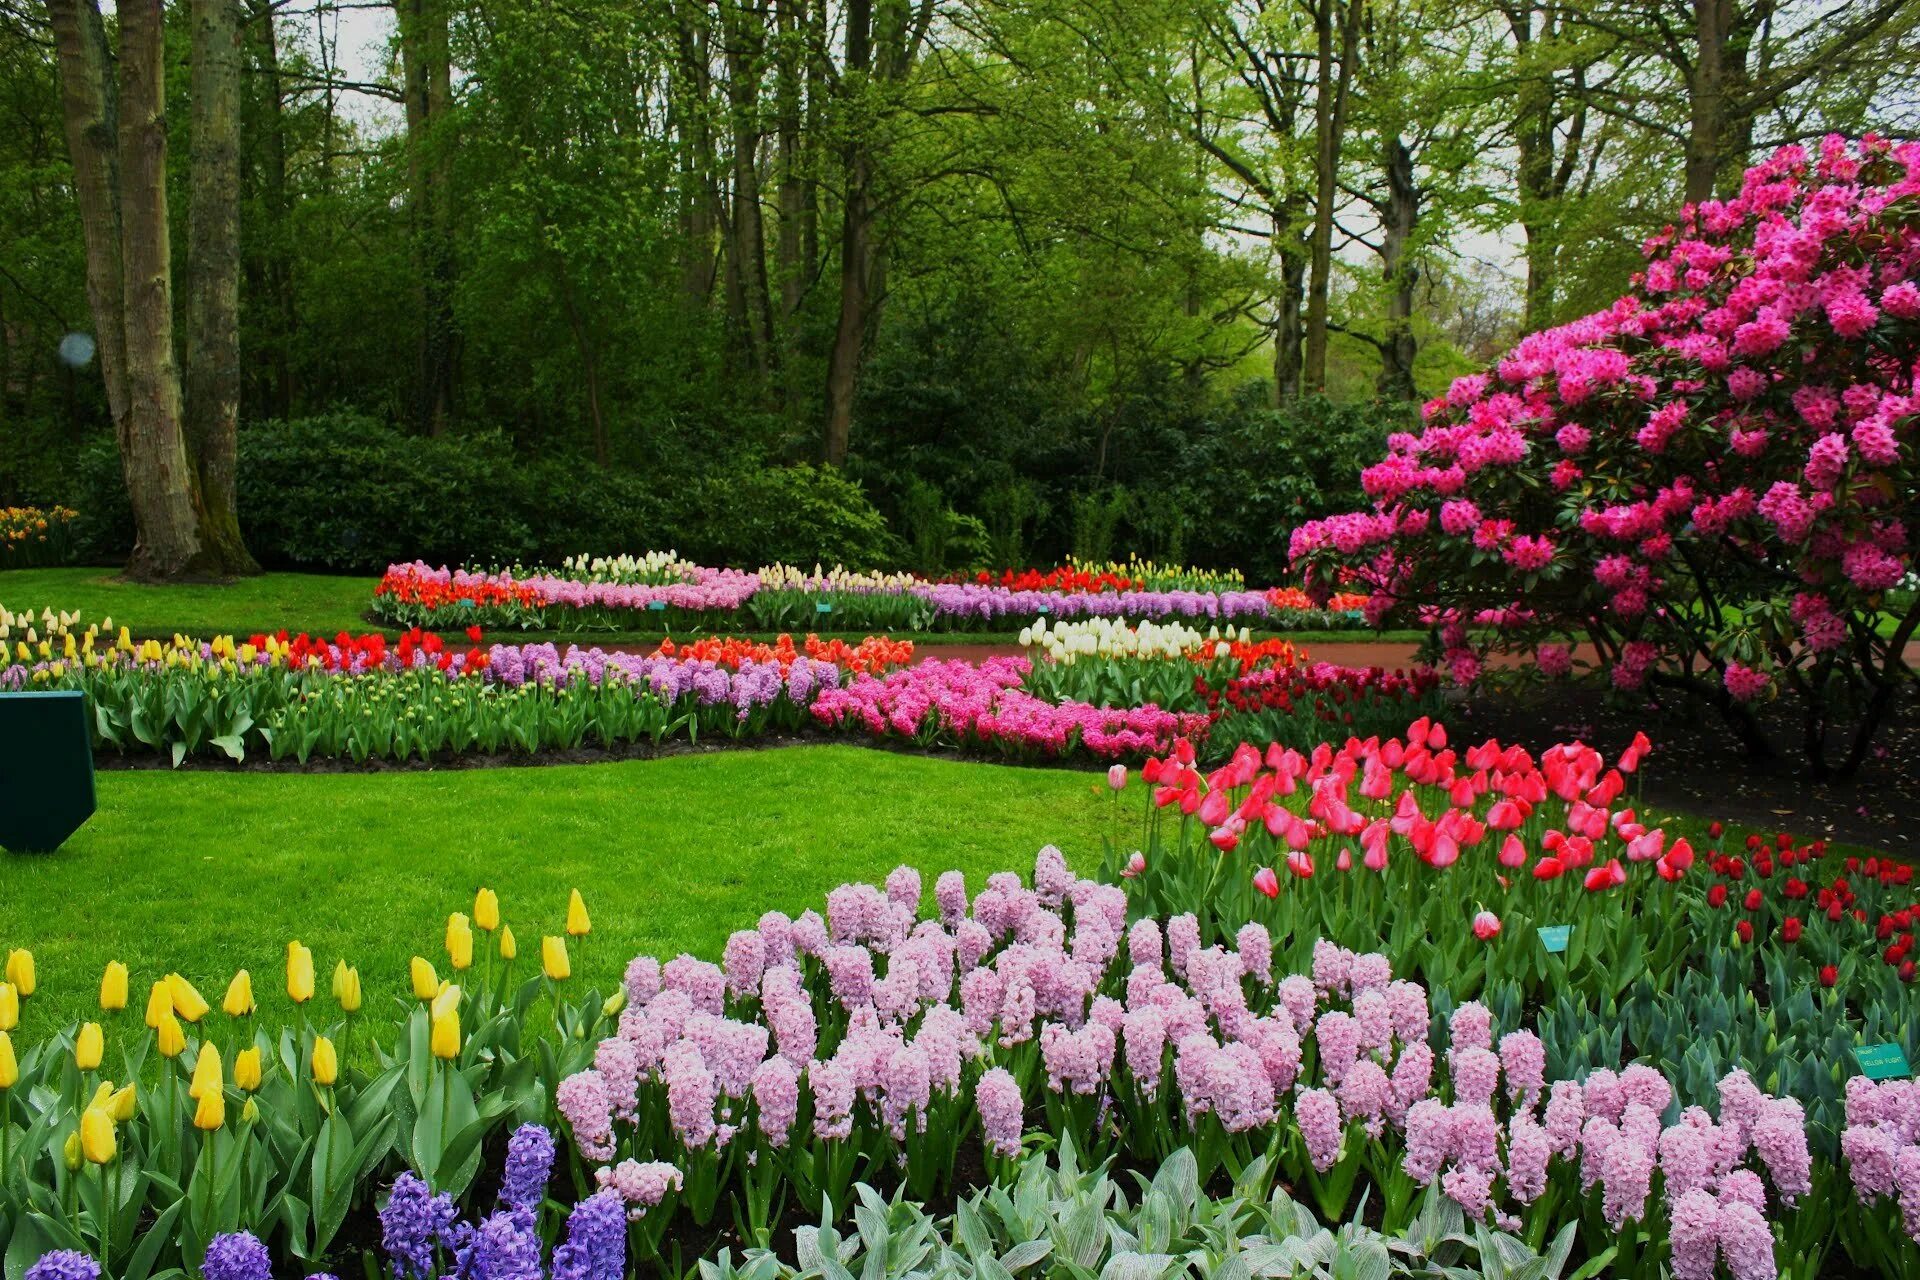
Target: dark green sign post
[{"x": 46, "y": 769}]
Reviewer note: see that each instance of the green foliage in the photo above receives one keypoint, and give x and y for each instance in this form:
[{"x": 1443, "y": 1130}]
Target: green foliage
[{"x": 791, "y": 515}]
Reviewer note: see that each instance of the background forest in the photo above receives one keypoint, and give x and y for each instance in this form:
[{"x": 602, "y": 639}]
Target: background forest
[{"x": 917, "y": 282}]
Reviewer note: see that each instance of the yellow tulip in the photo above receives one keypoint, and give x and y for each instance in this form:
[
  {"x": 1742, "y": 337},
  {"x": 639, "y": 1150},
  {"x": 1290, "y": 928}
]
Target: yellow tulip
[
  {"x": 346, "y": 987},
  {"x": 123, "y": 1104},
  {"x": 239, "y": 1001},
  {"x": 159, "y": 1002},
  {"x": 212, "y": 1111},
  {"x": 88, "y": 1047},
  {"x": 246, "y": 1069},
  {"x": 553, "y": 958},
  {"x": 326, "y": 1063},
  {"x": 187, "y": 1002},
  {"x": 9, "y": 1007},
  {"x": 9, "y": 1065},
  {"x": 173, "y": 1041},
  {"x": 299, "y": 973},
  {"x": 446, "y": 1033},
  {"x": 426, "y": 984},
  {"x": 113, "y": 987},
  {"x": 578, "y": 925},
  {"x": 96, "y": 1135},
  {"x": 508, "y": 948},
  {"x": 103, "y": 1096},
  {"x": 20, "y": 970},
  {"x": 459, "y": 941},
  {"x": 486, "y": 910},
  {"x": 207, "y": 1075}
]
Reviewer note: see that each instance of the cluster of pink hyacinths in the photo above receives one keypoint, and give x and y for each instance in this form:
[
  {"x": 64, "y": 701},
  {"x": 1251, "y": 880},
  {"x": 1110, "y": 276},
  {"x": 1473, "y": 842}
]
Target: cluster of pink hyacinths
[
  {"x": 1881, "y": 1147},
  {"x": 967, "y": 705},
  {"x": 875, "y": 1038},
  {"x": 1712, "y": 480}
]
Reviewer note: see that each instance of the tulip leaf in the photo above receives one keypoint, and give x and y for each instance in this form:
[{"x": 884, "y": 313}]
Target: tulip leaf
[{"x": 152, "y": 1240}]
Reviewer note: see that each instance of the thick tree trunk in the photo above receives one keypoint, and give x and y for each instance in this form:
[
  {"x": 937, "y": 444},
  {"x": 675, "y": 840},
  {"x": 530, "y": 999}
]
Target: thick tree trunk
[
  {"x": 1397, "y": 346},
  {"x": 425, "y": 55},
  {"x": 1329, "y": 116},
  {"x": 1706, "y": 103},
  {"x": 160, "y": 479},
  {"x": 88, "y": 110},
  {"x": 213, "y": 281},
  {"x": 856, "y": 249},
  {"x": 746, "y": 42}
]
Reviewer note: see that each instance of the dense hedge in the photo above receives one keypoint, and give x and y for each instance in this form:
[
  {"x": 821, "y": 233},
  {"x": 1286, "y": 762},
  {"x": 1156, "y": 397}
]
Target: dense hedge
[{"x": 345, "y": 493}]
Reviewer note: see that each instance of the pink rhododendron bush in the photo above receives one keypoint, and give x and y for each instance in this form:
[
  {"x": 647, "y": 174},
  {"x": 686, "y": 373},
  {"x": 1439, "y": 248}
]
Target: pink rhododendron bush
[{"x": 1713, "y": 480}]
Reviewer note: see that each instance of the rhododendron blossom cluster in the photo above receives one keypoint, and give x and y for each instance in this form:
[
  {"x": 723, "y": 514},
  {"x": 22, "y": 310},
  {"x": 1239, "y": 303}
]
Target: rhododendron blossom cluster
[{"x": 1713, "y": 479}]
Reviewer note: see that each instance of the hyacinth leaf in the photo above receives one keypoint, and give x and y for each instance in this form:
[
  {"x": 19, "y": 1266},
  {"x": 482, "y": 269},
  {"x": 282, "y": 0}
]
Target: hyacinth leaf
[{"x": 1137, "y": 1266}]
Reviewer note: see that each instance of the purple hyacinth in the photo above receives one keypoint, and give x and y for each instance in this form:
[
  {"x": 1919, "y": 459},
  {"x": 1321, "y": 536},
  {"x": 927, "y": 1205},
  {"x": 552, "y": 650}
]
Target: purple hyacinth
[
  {"x": 504, "y": 1247},
  {"x": 64, "y": 1264},
  {"x": 239, "y": 1255},
  {"x": 413, "y": 1223},
  {"x": 596, "y": 1247},
  {"x": 529, "y": 1165}
]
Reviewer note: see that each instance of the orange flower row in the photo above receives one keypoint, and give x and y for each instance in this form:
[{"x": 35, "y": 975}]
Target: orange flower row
[{"x": 875, "y": 653}]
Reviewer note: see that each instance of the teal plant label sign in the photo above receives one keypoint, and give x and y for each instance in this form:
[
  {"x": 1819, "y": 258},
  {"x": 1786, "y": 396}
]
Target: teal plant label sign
[
  {"x": 1043, "y": 608},
  {"x": 1883, "y": 1061},
  {"x": 658, "y": 606},
  {"x": 1554, "y": 936},
  {"x": 825, "y": 606}
]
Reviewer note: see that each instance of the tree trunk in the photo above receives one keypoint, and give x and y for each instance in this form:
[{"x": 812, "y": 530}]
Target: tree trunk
[
  {"x": 1706, "y": 105},
  {"x": 1329, "y": 117},
  {"x": 213, "y": 281},
  {"x": 276, "y": 270},
  {"x": 746, "y": 46},
  {"x": 425, "y": 57},
  {"x": 789, "y": 269},
  {"x": 856, "y": 249},
  {"x": 1397, "y": 346},
  {"x": 160, "y": 480},
  {"x": 1287, "y": 330},
  {"x": 689, "y": 92},
  {"x": 88, "y": 111}
]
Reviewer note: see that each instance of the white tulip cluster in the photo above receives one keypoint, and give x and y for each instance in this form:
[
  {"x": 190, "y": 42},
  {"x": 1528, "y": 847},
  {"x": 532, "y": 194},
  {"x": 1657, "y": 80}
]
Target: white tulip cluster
[
  {"x": 785, "y": 577},
  {"x": 1066, "y": 642},
  {"x": 651, "y": 568}
]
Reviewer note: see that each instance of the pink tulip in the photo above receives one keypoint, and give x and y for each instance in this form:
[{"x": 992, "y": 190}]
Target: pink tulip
[
  {"x": 1135, "y": 865},
  {"x": 1266, "y": 882},
  {"x": 1512, "y": 852},
  {"x": 1300, "y": 863},
  {"x": 1345, "y": 861},
  {"x": 1486, "y": 926},
  {"x": 1117, "y": 777}
]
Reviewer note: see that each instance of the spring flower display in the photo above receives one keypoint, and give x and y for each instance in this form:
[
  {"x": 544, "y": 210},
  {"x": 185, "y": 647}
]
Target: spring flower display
[
  {"x": 1711, "y": 481},
  {"x": 35, "y": 536}
]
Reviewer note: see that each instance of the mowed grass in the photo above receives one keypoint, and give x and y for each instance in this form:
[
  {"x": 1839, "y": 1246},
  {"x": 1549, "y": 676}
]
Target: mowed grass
[{"x": 209, "y": 872}]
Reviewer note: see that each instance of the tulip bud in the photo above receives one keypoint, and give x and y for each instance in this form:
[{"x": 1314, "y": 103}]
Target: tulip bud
[
  {"x": 9, "y": 1065},
  {"x": 113, "y": 987},
  {"x": 20, "y": 971},
  {"x": 578, "y": 925},
  {"x": 346, "y": 987},
  {"x": 459, "y": 941},
  {"x": 207, "y": 1075},
  {"x": 246, "y": 1069},
  {"x": 96, "y": 1135},
  {"x": 88, "y": 1047},
  {"x": 9, "y": 1007},
  {"x": 124, "y": 1103},
  {"x": 187, "y": 1002},
  {"x": 613, "y": 1004},
  {"x": 299, "y": 973},
  {"x": 486, "y": 910},
  {"x": 159, "y": 1003},
  {"x": 239, "y": 1001},
  {"x": 71, "y": 1154},
  {"x": 425, "y": 984},
  {"x": 508, "y": 948},
  {"x": 326, "y": 1063},
  {"x": 212, "y": 1111},
  {"x": 250, "y": 1113},
  {"x": 445, "y": 1040},
  {"x": 553, "y": 958},
  {"x": 173, "y": 1040}
]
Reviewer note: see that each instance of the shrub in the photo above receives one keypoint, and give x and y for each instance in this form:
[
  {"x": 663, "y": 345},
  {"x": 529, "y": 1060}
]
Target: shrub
[
  {"x": 792, "y": 515},
  {"x": 1712, "y": 481}
]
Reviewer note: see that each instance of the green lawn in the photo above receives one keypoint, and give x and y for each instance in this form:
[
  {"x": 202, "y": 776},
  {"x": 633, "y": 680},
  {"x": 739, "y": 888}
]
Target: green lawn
[
  {"x": 324, "y": 604},
  {"x": 207, "y": 872}
]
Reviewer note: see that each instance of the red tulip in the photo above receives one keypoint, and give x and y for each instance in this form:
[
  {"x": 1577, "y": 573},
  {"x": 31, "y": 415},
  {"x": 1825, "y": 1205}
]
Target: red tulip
[
  {"x": 1752, "y": 901},
  {"x": 1610, "y": 876},
  {"x": 1486, "y": 926},
  {"x": 1790, "y": 928},
  {"x": 1225, "y": 839},
  {"x": 1717, "y": 896},
  {"x": 1266, "y": 882},
  {"x": 1829, "y": 974},
  {"x": 1300, "y": 863},
  {"x": 1745, "y": 930},
  {"x": 1549, "y": 869}
]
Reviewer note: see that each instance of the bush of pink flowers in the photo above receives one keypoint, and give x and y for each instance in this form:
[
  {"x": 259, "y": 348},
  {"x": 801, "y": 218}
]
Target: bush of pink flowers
[
  {"x": 878, "y": 1041},
  {"x": 1713, "y": 480}
]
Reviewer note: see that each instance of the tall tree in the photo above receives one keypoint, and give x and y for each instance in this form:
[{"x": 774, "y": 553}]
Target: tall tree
[
  {"x": 1336, "y": 27},
  {"x": 427, "y": 69},
  {"x": 213, "y": 279}
]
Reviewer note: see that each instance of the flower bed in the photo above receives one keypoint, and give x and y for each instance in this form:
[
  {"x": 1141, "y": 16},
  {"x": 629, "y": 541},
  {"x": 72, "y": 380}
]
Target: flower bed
[
  {"x": 660, "y": 590},
  {"x": 32, "y": 537}
]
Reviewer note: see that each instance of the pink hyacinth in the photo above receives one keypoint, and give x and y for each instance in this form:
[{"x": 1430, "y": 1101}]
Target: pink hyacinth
[
  {"x": 997, "y": 1097},
  {"x": 582, "y": 1101},
  {"x": 640, "y": 1186},
  {"x": 776, "y": 1095},
  {"x": 1318, "y": 1115}
]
